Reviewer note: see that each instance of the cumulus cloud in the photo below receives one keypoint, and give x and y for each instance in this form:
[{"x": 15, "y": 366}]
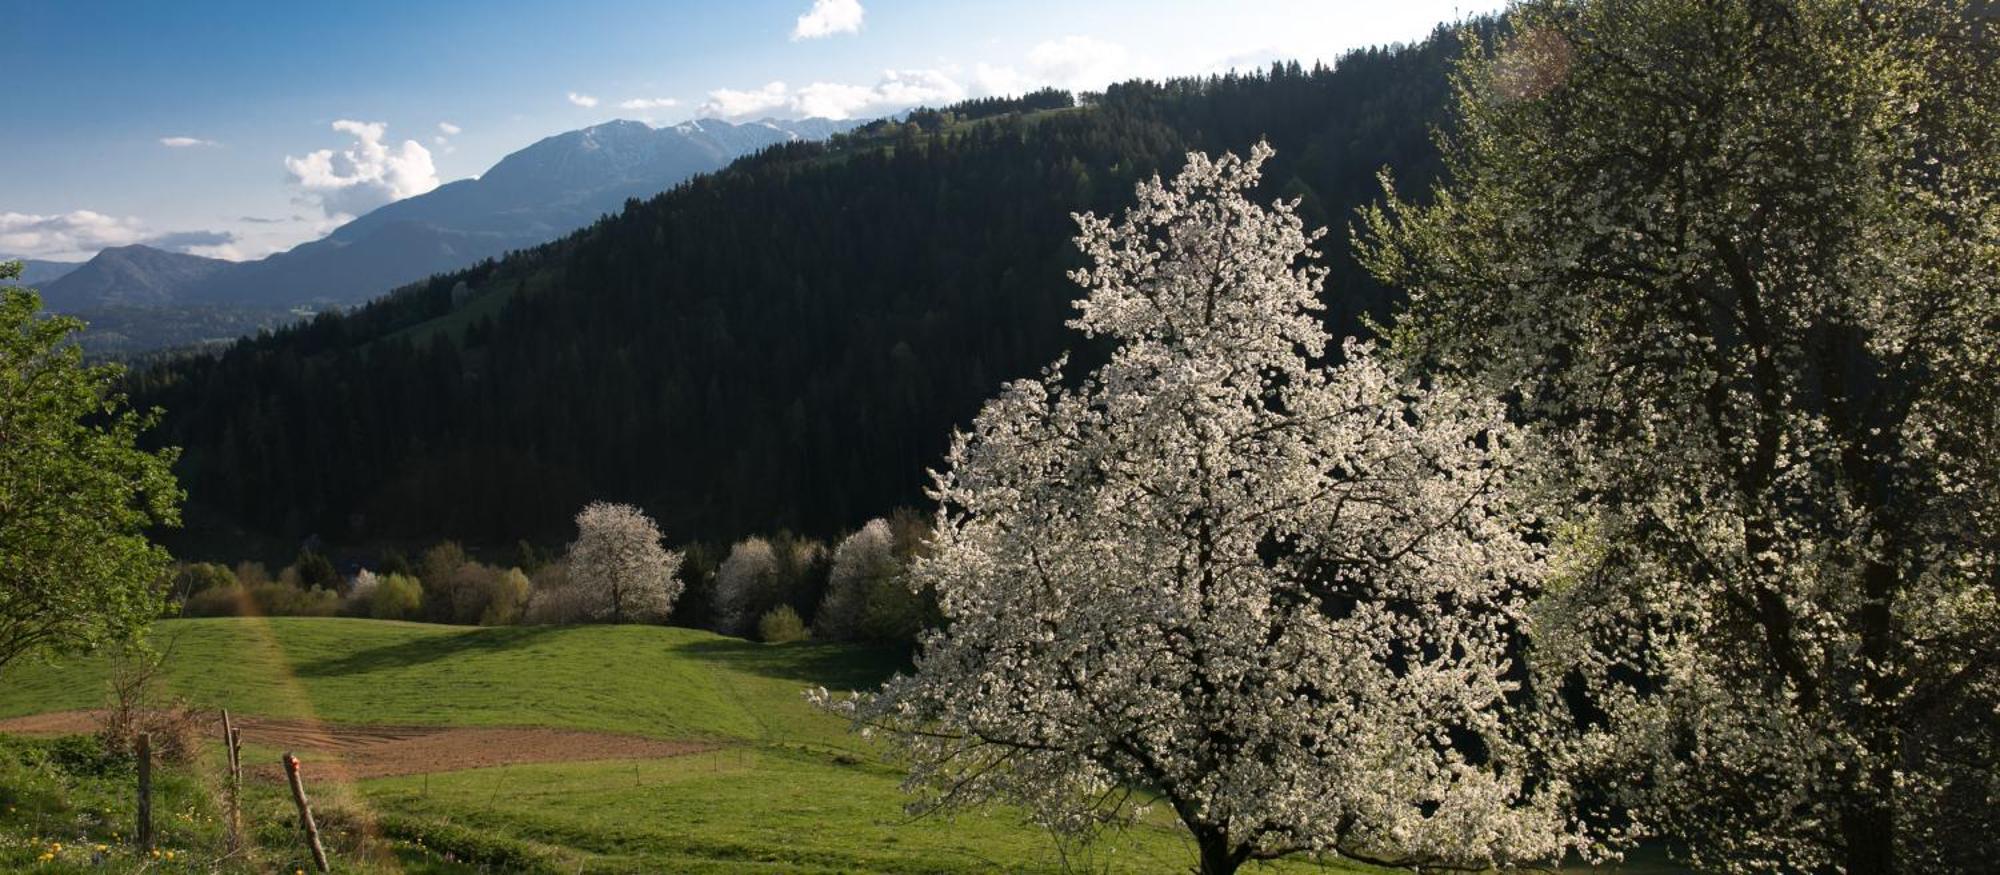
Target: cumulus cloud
[
  {"x": 82, "y": 233},
  {"x": 584, "y": 100},
  {"x": 649, "y": 103},
  {"x": 989, "y": 80},
  {"x": 896, "y": 89},
  {"x": 449, "y": 129},
  {"x": 828, "y": 17},
  {"x": 365, "y": 175},
  {"x": 730, "y": 103},
  {"x": 1078, "y": 63},
  {"x": 79, "y": 233},
  {"x": 186, "y": 142}
]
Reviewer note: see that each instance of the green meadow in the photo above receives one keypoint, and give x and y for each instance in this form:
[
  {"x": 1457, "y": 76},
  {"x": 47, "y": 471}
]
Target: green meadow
[{"x": 779, "y": 787}]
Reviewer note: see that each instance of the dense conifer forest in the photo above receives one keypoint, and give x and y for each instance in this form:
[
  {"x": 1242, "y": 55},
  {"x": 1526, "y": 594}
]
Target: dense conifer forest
[{"x": 786, "y": 343}]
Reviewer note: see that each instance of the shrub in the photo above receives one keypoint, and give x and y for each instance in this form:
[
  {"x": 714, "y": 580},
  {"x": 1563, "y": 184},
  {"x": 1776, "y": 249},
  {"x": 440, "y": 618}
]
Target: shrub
[
  {"x": 438, "y": 562},
  {"x": 761, "y": 574},
  {"x": 192, "y": 578},
  {"x": 860, "y": 563},
  {"x": 476, "y": 594},
  {"x": 506, "y": 598},
  {"x": 221, "y": 601},
  {"x": 315, "y": 571},
  {"x": 744, "y": 585},
  {"x": 249, "y": 574},
  {"x": 285, "y": 598},
  {"x": 781, "y": 625},
  {"x": 134, "y": 706},
  {"x": 396, "y": 597}
]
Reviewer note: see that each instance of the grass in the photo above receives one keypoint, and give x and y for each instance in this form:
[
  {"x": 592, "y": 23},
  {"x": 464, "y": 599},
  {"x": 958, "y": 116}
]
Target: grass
[
  {"x": 788, "y": 788},
  {"x": 644, "y": 680}
]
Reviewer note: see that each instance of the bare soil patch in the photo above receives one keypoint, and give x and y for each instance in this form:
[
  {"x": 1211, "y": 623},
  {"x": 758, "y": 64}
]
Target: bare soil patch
[{"x": 357, "y": 751}]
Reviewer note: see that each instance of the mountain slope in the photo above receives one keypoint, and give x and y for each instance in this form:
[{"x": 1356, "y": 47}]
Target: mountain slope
[
  {"x": 557, "y": 185},
  {"x": 129, "y": 276},
  {"x": 36, "y": 272},
  {"x": 787, "y": 343}
]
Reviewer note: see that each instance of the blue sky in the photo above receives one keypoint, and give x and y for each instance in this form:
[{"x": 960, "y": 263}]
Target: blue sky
[{"x": 211, "y": 127}]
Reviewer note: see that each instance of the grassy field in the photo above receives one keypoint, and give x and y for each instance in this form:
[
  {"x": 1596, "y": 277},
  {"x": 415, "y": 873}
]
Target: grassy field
[{"x": 783, "y": 789}]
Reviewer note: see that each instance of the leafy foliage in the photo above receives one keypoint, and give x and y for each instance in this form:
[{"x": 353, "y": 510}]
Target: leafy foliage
[
  {"x": 1739, "y": 262},
  {"x": 76, "y": 494}
]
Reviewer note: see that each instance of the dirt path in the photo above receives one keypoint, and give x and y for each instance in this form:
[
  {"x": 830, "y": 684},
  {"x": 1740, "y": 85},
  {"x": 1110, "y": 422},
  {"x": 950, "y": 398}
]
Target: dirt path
[{"x": 355, "y": 752}]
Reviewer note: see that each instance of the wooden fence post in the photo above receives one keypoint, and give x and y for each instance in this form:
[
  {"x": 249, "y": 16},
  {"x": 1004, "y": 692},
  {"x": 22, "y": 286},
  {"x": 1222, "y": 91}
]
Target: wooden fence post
[
  {"x": 305, "y": 811},
  {"x": 231, "y": 745},
  {"x": 144, "y": 834}
]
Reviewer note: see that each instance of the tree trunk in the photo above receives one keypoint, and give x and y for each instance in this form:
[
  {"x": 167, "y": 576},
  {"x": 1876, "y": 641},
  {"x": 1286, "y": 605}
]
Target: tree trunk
[
  {"x": 1869, "y": 828},
  {"x": 1218, "y": 857}
]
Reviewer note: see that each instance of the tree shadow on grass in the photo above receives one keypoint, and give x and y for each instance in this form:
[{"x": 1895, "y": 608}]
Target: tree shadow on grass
[
  {"x": 429, "y": 648},
  {"x": 834, "y": 666}
]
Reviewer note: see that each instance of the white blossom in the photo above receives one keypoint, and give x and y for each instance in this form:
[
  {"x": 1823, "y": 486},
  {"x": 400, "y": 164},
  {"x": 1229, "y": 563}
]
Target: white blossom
[
  {"x": 1281, "y": 596},
  {"x": 619, "y": 566}
]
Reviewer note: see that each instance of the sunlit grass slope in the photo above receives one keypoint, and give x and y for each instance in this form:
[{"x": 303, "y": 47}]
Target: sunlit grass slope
[
  {"x": 786, "y": 789},
  {"x": 645, "y": 680}
]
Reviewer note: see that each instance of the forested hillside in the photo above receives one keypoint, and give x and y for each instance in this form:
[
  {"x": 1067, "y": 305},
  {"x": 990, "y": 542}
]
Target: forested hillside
[{"x": 788, "y": 342}]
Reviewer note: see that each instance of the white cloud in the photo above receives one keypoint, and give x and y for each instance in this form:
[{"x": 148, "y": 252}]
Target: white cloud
[
  {"x": 649, "y": 103},
  {"x": 897, "y": 89},
  {"x": 75, "y": 234},
  {"x": 730, "y": 103},
  {"x": 900, "y": 88},
  {"x": 584, "y": 100},
  {"x": 80, "y": 234},
  {"x": 365, "y": 175},
  {"x": 828, "y": 17},
  {"x": 832, "y": 99},
  {"x": 186, "y": 142},
  {"x": 1079, "y": 63},
  {"x": 449, "y": 129},
  {"x": 989, "y": 80}
]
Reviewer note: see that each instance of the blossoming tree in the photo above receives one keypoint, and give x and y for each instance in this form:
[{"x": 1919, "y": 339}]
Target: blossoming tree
[
  {"x": 1741, "y": 262},
  {"x": 1276, "y": 596},
  {"x": 619, "y": 564}
]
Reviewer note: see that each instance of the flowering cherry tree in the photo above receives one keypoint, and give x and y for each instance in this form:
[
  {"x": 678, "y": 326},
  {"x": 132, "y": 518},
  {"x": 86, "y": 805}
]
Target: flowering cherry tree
[
  {"x": 1740, "y": 262},
  {"x": 619, "y": 565},
  {"x": 1278, "y": 597}
]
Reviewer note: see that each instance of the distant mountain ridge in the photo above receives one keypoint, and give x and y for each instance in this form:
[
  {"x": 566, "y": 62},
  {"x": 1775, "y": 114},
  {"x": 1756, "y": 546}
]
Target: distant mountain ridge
[
  {"x": 35, "y": 271},
  {"x": 127, "y": 276},
  {"x": 531, "y": 196}
]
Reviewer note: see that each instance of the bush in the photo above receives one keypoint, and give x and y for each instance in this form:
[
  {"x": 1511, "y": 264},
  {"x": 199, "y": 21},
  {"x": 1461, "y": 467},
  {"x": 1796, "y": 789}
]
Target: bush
[
  {"x": 439, "y": 562},
  {"x": 285, "y": 598},
  {"x": 554, "y": 601},
  {"x": 193, "y": 578},
  {"x": 315, "y": 571},
  {"x": 781, "y": 625},
  {"x": 862, "y": 562},
  {"x": 506, "y": 598},
  {"x": 475, "y": 594},
  {"x": 761, "y": 574},
  {"x": 221, "y": 601},
  {"x": 395, "y": 597},
  {"x": 134, "y": 706}
]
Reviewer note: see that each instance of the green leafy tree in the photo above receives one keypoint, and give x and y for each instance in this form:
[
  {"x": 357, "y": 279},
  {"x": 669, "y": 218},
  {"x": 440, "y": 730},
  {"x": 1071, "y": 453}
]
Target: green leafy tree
[
  {"x": 1739, "y": 262},
  {"x": 76, "y": 493}
]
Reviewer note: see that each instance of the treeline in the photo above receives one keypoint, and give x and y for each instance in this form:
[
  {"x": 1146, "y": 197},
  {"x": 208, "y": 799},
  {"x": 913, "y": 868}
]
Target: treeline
[
  {"x": 776, "y": 588},
  {"x": 787, "y": 343}
]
